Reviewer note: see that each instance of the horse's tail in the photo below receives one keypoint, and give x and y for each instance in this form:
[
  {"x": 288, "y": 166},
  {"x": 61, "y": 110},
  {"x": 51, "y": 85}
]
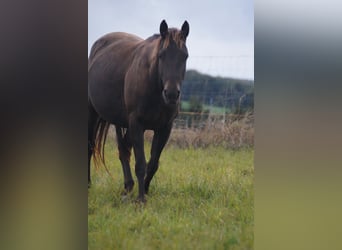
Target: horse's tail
[{"x": 99, "y": 145}]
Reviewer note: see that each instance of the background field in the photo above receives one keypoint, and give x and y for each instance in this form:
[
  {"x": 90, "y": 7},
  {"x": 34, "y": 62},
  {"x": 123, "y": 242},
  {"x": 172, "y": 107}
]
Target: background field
[
  {"x": 199, "y": 199},
  {"x": 212, "y": 109}
]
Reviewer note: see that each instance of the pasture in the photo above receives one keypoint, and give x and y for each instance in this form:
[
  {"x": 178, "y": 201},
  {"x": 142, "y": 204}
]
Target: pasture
[{"x": 198, "y": 199}]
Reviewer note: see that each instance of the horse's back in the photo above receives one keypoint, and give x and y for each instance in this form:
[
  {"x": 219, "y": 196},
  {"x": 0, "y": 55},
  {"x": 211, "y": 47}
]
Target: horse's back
[
  {"x": 112, "y": 40},
  {"x": 109, "y": 59}
]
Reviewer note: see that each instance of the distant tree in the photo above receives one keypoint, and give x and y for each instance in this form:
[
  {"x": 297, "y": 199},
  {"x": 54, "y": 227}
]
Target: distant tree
[{"x": 195, "y": 104}]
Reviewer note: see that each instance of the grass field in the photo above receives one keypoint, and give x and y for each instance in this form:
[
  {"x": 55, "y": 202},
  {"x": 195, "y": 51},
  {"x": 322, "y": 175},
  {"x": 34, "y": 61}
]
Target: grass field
[{"x": 199, "y": 199}]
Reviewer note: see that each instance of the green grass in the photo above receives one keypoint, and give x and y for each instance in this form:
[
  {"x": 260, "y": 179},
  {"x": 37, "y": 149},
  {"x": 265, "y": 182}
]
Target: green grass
[{"x": 199, "y": 199}]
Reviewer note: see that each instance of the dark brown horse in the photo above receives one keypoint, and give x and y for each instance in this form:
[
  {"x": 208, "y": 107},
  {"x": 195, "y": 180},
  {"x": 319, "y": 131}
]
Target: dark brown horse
[{"x": 135, "y": 85}]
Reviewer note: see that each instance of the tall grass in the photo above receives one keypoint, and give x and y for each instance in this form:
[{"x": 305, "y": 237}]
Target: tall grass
[{"x": 232, "y": 132}]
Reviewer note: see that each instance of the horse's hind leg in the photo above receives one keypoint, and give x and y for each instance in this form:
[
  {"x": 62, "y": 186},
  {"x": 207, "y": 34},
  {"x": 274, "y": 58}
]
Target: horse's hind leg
[
  {"x": 93, "y": 122},
  {"x": 125, "y": 148}
]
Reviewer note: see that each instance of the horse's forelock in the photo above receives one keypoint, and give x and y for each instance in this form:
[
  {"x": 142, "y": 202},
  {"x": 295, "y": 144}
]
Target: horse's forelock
[{"x": 174, "y": 35}]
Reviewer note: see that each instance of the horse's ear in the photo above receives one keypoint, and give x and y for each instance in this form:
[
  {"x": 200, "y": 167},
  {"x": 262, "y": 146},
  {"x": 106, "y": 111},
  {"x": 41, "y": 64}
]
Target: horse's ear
[
  {"x": 185, "y": 29},
  {"x": 163, "y": 29}
]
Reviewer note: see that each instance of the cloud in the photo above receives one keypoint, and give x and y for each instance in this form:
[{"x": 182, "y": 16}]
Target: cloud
[{"x": 217, "y": 28}]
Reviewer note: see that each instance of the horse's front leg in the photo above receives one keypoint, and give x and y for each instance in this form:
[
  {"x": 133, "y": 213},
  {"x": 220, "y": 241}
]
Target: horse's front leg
[
  {"x": 125, "y": 147},
  {"x": 159, "y": 140},
  {"x": 137, "y": 139}
]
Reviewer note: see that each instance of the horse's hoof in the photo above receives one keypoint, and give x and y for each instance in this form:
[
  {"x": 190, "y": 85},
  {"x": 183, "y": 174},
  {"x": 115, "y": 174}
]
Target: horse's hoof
[{"x": 141, "y": 200}]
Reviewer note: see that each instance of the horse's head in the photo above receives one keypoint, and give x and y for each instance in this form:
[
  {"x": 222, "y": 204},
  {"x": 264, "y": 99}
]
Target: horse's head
[{"x": 172, "y": 58}]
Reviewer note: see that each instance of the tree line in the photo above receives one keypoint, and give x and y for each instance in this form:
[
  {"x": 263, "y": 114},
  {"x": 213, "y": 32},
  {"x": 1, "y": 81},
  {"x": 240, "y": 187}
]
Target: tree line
[{"x": 201, "y": 91}]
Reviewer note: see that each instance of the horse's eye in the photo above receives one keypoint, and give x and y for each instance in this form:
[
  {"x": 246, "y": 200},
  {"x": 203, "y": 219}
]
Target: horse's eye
[{"x": 161, "y": 54}]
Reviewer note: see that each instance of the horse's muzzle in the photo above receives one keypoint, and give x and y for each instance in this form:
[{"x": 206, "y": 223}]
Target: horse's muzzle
[{"x": 171, "y": 96}]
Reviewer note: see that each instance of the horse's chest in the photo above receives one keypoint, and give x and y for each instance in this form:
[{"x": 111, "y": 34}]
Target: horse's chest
[{"x": 157, "y": 117}]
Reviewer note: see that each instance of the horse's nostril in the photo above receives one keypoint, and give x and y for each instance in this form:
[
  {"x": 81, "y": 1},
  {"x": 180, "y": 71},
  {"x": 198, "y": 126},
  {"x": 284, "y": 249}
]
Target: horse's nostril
[{"x": 171, "y": 95}]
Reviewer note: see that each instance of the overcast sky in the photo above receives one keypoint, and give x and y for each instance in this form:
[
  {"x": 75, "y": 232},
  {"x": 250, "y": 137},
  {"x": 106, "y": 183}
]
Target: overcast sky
[{"x": 221, "y": 39}]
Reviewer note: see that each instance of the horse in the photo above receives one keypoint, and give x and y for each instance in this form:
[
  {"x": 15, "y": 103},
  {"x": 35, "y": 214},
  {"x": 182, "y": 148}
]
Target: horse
[{"x": 135, "y": 85}]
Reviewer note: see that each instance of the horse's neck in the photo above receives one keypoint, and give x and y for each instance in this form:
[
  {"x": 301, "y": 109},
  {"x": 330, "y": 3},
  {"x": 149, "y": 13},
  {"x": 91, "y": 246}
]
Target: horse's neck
[{"x": 151, "y": 59}]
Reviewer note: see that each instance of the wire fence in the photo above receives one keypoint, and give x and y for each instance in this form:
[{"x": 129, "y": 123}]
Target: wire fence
[
  {"x": 200, "y": 131},
  {"x": 200, "y": 121}
]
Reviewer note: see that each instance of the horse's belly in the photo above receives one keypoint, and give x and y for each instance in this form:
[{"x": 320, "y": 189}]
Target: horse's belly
[{"x": 107, "y": 101}]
